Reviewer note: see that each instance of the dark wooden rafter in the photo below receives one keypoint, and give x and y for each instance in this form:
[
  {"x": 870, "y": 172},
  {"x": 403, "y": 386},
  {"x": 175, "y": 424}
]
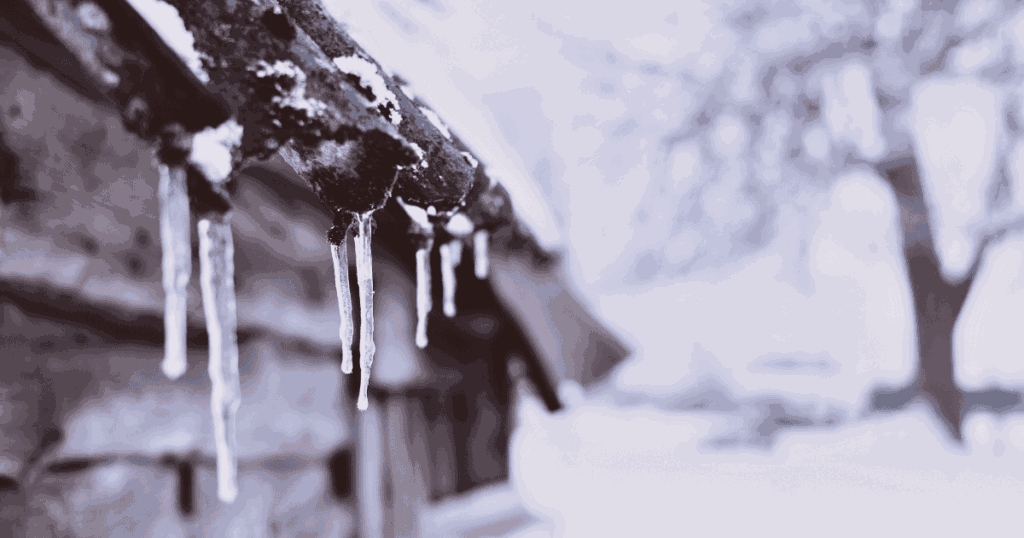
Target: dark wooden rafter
[
  {"x": 24, "y": 30},
  {"x": 352, "y": 152},
  {"x": 128, "y": 64},
  {"x": 286, "y": 94},
  {"x": 446, "y": 175}
]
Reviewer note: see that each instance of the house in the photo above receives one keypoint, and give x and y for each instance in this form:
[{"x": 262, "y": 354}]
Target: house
[{"x": 97, "y": 109}]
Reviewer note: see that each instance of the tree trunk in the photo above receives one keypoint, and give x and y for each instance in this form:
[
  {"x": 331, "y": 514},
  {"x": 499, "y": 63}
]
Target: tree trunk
[{"x": 937, "y": 303}]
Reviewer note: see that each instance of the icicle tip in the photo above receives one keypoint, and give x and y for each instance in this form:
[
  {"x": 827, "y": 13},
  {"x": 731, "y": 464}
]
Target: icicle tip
[{"x": 173, "y": 369}]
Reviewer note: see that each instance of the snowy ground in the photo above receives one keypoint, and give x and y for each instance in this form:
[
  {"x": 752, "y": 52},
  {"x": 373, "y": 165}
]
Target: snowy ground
[{"x": 598, "y": 469}]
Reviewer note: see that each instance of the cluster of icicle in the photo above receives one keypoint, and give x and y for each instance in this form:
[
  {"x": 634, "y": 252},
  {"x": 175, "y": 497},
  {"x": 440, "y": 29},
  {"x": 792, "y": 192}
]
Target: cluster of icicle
[
  {"x": 216, "y": 254},
  {"x": 216, "y": 270},
  {"x": 364, "y": 279},
  {"x": 451, "y": 256},
  {"x": 459, "y": 226}
]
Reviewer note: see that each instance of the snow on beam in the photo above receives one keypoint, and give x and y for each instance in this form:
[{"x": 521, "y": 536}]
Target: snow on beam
[
  {"x": 443, "y": 176},
  {"x": 285, "y": 90}
]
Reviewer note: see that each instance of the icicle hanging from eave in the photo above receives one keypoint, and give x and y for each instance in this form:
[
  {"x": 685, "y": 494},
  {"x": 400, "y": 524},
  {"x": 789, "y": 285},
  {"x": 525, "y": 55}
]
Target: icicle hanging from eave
[
  {"x": 424, "y": 230},
  {"x": 217, "y": 274},
  {"x": 423, "y": 297},
  {"x": 459, "y": 226},
  {"x": 176, "y": 245},
  {"x": 480, "y": 254},
  {"x": 451, "y": 256},
  {"x": 364, "y": 275},
  {"x": 339, "y": 253}
]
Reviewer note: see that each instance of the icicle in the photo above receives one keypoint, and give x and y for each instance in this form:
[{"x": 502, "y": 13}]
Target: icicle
[
  {"x": 341, "y": 285},
  {"x": 423, "y": 298},
  {"x": 480, "y": 241},
  {"x": 177, "y": 266},
  {"x": 217, "y": 275},
  {"x": 451, "y": 256},
  {"x": 364, "y": 274}
]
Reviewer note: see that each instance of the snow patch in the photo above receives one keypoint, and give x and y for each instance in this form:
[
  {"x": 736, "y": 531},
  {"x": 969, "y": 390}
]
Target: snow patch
[
  {"x": 459, "y": 225},
  {"x": 957, "y": 128},
  {"x": 631, "y": 81},
  {"x": 473, "y": 163},
  {"x": 975, "y": 56},
  {"x": 685, "y": 166},
  {"x": 985, "y": 340},
  {"x": 1013, "y": 32},
  {"x": 890, "y": 25},
  {"x": 785, "y": 34},
  {"x": 166, "y": 21},
  {"x": 855, "y": 261},
  {"x": 657, "y": 45},
  {"x": 816, "y": 143},
  {"x": 436, "y": 121},
  {"x": 420, "y": 154},
  {"x": 92, "y": 17},
  {"x": 368, "y": 77},
  {"x": 973, "y": 13},
  {"x": 417, "y": 214},
  {"x": 774, "y": 138},
  {"x": 851, "y": 111},
  {"x": 296, "y": 97},
  {"x": 1015, "y": 162},
  {"x": 212, "y": 147},
  {"x": 730, "y": 137}
]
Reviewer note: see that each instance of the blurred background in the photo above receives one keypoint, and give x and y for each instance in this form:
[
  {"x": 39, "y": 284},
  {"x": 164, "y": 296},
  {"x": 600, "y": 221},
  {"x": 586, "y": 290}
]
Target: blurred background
[{"x": 774, "y": 271}]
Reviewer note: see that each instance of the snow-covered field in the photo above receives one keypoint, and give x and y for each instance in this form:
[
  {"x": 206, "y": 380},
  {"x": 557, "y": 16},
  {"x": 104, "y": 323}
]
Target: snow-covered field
[{"x": 602, "y": 470}]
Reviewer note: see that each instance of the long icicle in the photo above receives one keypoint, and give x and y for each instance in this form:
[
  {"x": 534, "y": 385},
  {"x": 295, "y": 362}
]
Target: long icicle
[
  {"x": 451, "y": 256},
  {"x": 341, "y": 285},
  {"x": 364, "y": 274},
  {"x": 480, "y": 241},
  {"x": 217, "y": 274},
  {"x": 423, "y": 298},
  {"x": 176, "y": 244}
]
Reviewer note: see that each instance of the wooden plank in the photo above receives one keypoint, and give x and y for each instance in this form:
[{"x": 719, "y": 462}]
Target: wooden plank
[
  {"x": 370, "y": 471},
  {"x": 408, "y": 470}
]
